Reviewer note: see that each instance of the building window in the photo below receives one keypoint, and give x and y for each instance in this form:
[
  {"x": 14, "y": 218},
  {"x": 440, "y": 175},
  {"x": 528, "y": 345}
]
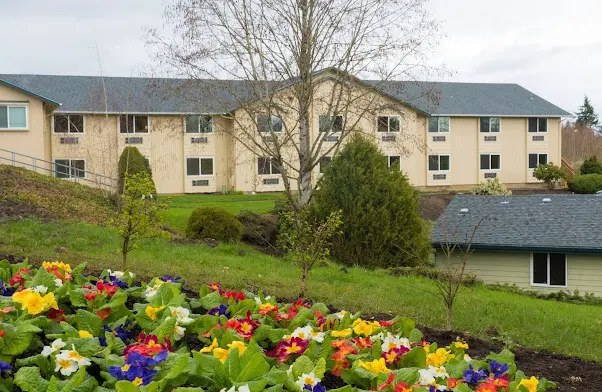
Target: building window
[
  {"x": 394, "y": 161},
  {"x": 439, "y": 124},
  {"x": 266, "y": 166},
  {"x": 68, "y": 123},
  {"x": 548, "y": 269},
  {"x": 70, "y": 168},
  {"x": 324, "y": 162},
  {"x": 491, "y": 162},
  {"x": 538, "y": 124},
  {"x": 267, "y": 123},
  {"x": 490, "y": 124},
  {"x": 133, "y": 124},
  {"x": 199, "y": 124},
  {"x": 330, "y": 124},
  {"x": 388, "y": 124},
  {"x": 13, "y": 117},
  {"x": 438, "y": 162},
  {"x": 537, "y": 159},
  {"x": 199, "y": 166}
]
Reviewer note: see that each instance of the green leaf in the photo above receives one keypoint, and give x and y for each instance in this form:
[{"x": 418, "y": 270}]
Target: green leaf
[
  {"x": 302, "y": 365},
  {"x": 408, "y": 375},
  {"x": 187, "y": 389},
  {"x": 320, "y": 368},
  {"x": 86, "y": 321},
  {"x": 254, "y": 368},
  {"x": 17, "y": 339},
  {"x": 125, "y": 386},
  {"x": 29, "y": 379},
  {"x": 43, "y": 278},
  {"x": 415, "y": 336},
  {"x": 414, "y": 358},
  {"x": 210, "y": 301},
  {"x": 166, "y": 328}
]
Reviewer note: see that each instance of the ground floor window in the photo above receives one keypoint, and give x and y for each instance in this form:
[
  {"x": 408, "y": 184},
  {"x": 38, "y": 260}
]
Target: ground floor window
[
  {"x": 324, "y": 162},
  {"x": 267, "y": 166},
  {"x": 438, "y": 162},
  {"x": 70, "y": 168},
  {"x": 548, "y": 269},
  {"x": 394, "y": 161},
  {"x": 537, "y": 159},
  {"x": 199, "y": 166}
]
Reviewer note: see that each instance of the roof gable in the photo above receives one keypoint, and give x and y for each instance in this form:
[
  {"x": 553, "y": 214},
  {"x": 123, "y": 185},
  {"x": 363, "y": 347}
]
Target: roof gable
[{"x": 29, "y": 92}]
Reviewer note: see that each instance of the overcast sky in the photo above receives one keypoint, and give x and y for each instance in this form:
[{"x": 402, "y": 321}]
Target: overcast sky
[{"x": 551, "y": 47}]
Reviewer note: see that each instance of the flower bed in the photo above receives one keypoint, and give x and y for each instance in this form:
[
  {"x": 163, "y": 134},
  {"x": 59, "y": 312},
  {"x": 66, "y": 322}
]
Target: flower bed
[{"x": 63, "y": 331}]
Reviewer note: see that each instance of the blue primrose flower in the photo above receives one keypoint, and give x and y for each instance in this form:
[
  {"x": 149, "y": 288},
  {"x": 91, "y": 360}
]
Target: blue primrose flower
[
  {"x": 172, "y": 279},
  {"x": 316, "y": 388},
  {"x": 117, "y": 282},
  {"x": 138, "y": 366},
  {"x": 498, "y": 369},
  {"x": 121, "y": 331},
  {"x": 473, "y": 377},
  {"x": 5, "y": 290},
  {"x": 5, "y": 367},
  {"x": 219, "y": 311},
  {"x": 433, "y": 388}
]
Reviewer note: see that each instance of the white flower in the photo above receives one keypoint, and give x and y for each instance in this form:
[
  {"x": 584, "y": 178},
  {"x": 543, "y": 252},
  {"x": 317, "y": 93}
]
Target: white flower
[
  {"x": 467, "y": 358},
  {"x": 65, "y": 365},
  {"x": 40, "y": 289},
  {"x": 179, "y": 332},
  {"x": 58, "y": 282},
  {"x": 242, "y": 388},
  {"x": 116, "y": 274},
  {"x": 181, "y": 314},
  {"x": 307, "y": 379},
  {"x": 392, "y": 341},
  {"x": 317, "y": 336},
  {"x": 303, "y": 332},
  {"x": 341, "y": 314},
  {"x": 54, "y": 347},
  {"x": 428, "y": 375},
  {"x": 378, "y": 336},
  {"x": 152, "y": 290}
]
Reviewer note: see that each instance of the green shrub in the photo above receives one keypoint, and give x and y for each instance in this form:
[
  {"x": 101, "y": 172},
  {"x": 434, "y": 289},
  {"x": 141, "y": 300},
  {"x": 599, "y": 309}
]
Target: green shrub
[
  {"x": 381, "y": 224},
  {"x": 258, "y": 229},
  {"x": 591, "y": 166},
  {"x": 585, "y": 183},
  {"x": 550, "y": 174},
  {"x": 214, "y": 223},
  {"x": 133, "y": 162},
  {"x": 491, "y": 188}
]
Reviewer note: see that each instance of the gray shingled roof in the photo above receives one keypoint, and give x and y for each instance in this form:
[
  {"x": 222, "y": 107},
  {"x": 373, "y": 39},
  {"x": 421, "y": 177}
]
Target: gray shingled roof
[
  {"x": 161, "y": 95},
  {"x": 568, "y": 223}
]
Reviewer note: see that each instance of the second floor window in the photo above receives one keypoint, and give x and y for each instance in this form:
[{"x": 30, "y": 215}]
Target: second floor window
[
  {"x": 199, "y": 166},
  {"x": 199, "y": 124},
  {"x": 133, "y": 124},
  {"x": 68, "y": 123},
  {"x": 13, "y": 117},
  {"x": 491, "y": 162},
  {"x": 438, "y": 162},
  {"x": 537, "y": 159},
  {"x": 330, "y": 124},
  {"x": 388, "y": 124},
  {"x": 70, "y": 168},
  {"x": 439, "y": 124},
  {"x": 538, "y": 124},
  {"x": 267, "y": 166},
  {"x": 490, "y": 124},
  {"x": 267, "y": 123}
]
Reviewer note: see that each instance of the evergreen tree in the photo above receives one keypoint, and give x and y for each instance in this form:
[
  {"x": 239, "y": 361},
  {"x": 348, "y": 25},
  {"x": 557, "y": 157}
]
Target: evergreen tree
[
  {"x": 586, "y": 115},
  {"x": 132, "y": 162}
]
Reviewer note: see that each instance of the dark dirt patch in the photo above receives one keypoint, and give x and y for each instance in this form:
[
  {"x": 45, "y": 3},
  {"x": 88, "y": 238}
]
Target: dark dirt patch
[{"x": 431, "y": 206}]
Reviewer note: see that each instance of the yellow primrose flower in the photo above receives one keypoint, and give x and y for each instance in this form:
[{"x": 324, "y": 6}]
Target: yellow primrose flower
[
  {"x": 439, "y": 357},
  {"x": 377, "y": 366},
  {"x": 85, "y": 334},
  {"x": 427, "y": 347},
  {"x": 341, "y": 334},
  {"x": 239, "y": 345},
  {"x": 49, "y": 264},
  {"x": 531, "y": 384},
  {"x": 221, "y": 354},
  {"x": 210, "y": 348},
  {"x": 152, "y": 311},
  {"x": 34, "y": 302},
  {"x": 461, "y": 345},
  {"x": 363, "y": 327}
]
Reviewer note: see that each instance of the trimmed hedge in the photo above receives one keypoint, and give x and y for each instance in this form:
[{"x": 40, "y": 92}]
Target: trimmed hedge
[
  {"x": 214, "y": 223},
  {"x": 585, "y": 183},
  {"x": 258, "y": 229}
]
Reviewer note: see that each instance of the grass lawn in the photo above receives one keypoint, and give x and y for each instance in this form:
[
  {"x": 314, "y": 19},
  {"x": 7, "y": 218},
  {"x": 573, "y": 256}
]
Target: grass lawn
[
  {"x": 180, "y": 207},
  {"x": 555, "y": 326}
]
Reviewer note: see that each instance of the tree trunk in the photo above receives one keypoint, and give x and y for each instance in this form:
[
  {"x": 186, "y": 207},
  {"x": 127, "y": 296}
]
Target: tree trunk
[
  {"x": 450, "y": 316},
  {"x": 303, "y": 283},
  {"x": 124, "y": 254}
]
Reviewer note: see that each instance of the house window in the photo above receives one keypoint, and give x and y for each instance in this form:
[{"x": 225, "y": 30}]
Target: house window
[
  {"x": 439, "y": 124},
  {"x": 438, "y": 162},
  {"x": 13, "y": 117},
  {"x": 266, "y": 166},
  {"x": 329, "y": 124},
  {"x": 388, "y": 124},
  {"x": 548, "y": 269},
  {"x": 490, "y": 124},
  {"x": 70, "y": 168},
  {"x": 68, "y": 123},
  {"x": 267, "y": 123},
  {"x": 133, "y": 124},
  {"x": 538, "y": 124},
  {"x": 491, "y": 162},
  {"x": 394, "y": 161},
  {"x": 199, "y": 124},
  {"x": 199, "y": 166},
  {"x": 324, "y": 162},
  {"x": 537, "y": 159}
]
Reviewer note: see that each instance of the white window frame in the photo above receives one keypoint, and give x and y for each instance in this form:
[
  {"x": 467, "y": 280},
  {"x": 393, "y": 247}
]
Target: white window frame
[
  {"x": 198, "y": 132},
  {"x": 271, "y": 166},
  {"x": 538, "y": 131},
  {"x": 538, "y": 154},
  {"x": 490, "y": 154},
  {"x": 9, "y": 105},
  {"x": 393, "y": 156},
  {"x": 71, "y": 177},
  {"x": 331, "y": 132},
  {"x": 200, "y": 170},
  {"x": 271, "y": 130},
  {"x": 389, "y": 116},
  {"x": 489, "y": 130},
  {"x": 439, "y": 161},
  {"x": 69, "y": 124},
  {"x": 438, "y": 125},
  {"x": 566, "y": 272},
  {"x": 134, "y": 124}
]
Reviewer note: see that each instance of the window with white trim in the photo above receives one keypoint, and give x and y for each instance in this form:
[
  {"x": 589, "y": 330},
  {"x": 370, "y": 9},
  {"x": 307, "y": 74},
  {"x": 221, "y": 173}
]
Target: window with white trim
[
  {"x": 330, "y": 124},
  {"x": 68, "y": 123},
  {"x": 548, "y": 269},
  {"x": 438, "y": 124},
  {"x": 199, "y": 124},
  {"x": 323, "y": 164},
  {"x": 538, "y": 124},
  {"x": 394, "y": 161},
  {"x": 199, "y": 166},
  {"x": 13, "y": 117},
  {"x": 70, "y": 168},
  {"x": 129, "y": 123},
  {"x": 536, "y": 159},
  {"x": 490, "y": 124},
  {"x": 266, "y": 166},
  {"x": 438, "y": 162},
  {"x": 388, "y": 123},
  {"x": 266, "y": 123},
  {"x": 491, "y": 162}
]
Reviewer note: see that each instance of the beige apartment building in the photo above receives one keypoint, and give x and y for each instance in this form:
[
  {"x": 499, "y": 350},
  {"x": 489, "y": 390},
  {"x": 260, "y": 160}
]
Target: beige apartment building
[{"x": 457, "y": 135}]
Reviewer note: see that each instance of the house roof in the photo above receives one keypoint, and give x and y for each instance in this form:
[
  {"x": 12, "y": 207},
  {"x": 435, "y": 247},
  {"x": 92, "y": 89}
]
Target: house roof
[
  {"x": 43, "y": 98},
  {"x": 567, "y": 223},
  {"x": 165, "y": 95}
]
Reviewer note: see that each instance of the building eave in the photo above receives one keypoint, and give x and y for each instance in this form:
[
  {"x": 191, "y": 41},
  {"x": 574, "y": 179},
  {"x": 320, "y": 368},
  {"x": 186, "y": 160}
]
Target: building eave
[{"x": 28, "y": 92}]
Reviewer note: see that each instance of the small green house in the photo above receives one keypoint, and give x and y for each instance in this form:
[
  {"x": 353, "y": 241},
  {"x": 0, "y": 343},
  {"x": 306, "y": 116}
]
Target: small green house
[{"x": 537, "y": 242}]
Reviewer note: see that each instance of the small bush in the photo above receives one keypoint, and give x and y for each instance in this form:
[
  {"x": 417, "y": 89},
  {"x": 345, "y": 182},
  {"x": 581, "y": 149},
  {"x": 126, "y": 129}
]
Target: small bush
[
  {"x": 215, "y": 223},
  {"x": 431, "y": 273},
  {"x": 591, "y": 166},
  {"x": 132, "y": 162},
  {"x": 585, "y": 183},
  {"x": 550, "y": 174},
  {"x": 258, "y": 229},
  {"x": 491, "y": 188}
]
